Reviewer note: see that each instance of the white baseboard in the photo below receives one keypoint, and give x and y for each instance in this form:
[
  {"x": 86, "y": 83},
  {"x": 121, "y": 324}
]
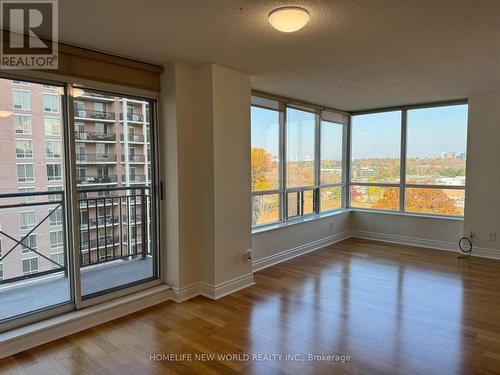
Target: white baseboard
[
  {"x": 405, "y": 240},
  {"x": 421, "y": 242},
  {"x": 282, "y": 256},
  {"x": 36, "y": 334}
]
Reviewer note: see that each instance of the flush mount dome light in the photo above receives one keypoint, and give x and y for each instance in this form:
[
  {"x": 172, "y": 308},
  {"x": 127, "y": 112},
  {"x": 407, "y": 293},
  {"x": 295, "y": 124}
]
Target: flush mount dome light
[{"x": 289, "y": 19}]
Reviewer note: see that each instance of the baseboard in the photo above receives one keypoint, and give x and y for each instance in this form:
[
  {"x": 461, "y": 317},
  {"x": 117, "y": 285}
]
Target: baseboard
[
  {"x": 187, "y": 292},
  {"x": 36, "y": 334},
  {"x": 282, "y": 256},
  {"x": 421, "y": 242},
  {"x": 405, "y": 240}
]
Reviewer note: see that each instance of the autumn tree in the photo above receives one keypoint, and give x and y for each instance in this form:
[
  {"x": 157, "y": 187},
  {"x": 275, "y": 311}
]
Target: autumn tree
[
  {"x": 425, "y": 200},
  {"x": 260, "y": 165}
]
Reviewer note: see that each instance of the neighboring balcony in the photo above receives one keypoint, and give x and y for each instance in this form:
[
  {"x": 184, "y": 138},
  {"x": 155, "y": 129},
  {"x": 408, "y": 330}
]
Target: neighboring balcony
[
  {"x": 97, "y": 97},
  {"x": 95, "y": 158},
  {"x": 134, "y": 138},
  {"x": 100, "y": 222},
  {"x": 133, "y": 117},
  {"x": 88, "y": 114},
  {"x": 99, "y": 179},
  {"x": 137, "y": 179},
  {"x": 134, "y": 158},
  {"x": 95, "y": 137}
]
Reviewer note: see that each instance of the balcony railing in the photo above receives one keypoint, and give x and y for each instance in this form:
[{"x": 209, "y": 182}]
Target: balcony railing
[
  {"x": 132, "y": 138},
  {"x": 105, "y": 179},
  {"x": 121, "y": 234},
  {"x": 134, "y": 158},
  {"x": 134, "y": 179},
  {"x": 86, "y": 136},
  {"x": 121, "y": 227},
  {"x": 98, "y": 115},
  {"x": 136, "y": 117},
  {"x": 95, "y": 158}
]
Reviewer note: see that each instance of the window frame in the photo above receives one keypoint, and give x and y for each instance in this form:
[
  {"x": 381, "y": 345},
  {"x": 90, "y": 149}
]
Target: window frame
[
  {"x": 320, "y": 114},
  {"x": 402, "y": 185}
]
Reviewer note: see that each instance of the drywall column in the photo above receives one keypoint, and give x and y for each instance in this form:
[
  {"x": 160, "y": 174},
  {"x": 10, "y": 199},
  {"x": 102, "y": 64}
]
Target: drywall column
[
  {"x": 482, "y": 203},
  {"x": 180, "y": 167},
  {"x": 225, "y": 172}
]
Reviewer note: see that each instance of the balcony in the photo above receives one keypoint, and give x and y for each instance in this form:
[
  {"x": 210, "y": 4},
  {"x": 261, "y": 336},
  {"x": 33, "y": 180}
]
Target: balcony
[
  {"x": 137, "y": 179},
  {"x": 104, "y": 179},
  {"x": 95, "y": 137},
  {"x": 133, "y": 117},
  {"x": 95, "y": 158},
  {"x": 106, "y": 260},
  {"x": 134, "y": 158},
  {"x": 132, "y": 138},
  {"x": 96, "y": 96},
  {"x": 94, "y": 115}
]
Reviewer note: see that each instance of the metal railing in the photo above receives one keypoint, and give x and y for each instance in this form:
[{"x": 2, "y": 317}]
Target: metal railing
[
  {"x": 122, "y": 227},
  {"x": 12, "y": 201},
  {"x": 90, "y": 136},
  {"x": 120, "y": 234},
  {"x": 93, "y": 158},
  {"x": 96, "y": 179},
  {"x": 98, "y": 115},
  {"x": 132, "y": 138},
  {"x": 134, "y": 179},
  {"x": 134, "y": 158},
  {"x": 137, "y": 117}
]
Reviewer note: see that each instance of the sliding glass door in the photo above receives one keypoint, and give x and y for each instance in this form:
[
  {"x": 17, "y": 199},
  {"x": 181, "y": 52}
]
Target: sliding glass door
[
  {"x": 34, "y": 251},
  {"x": 114, "y": 184},
  {"x": 78, "y": 207}
]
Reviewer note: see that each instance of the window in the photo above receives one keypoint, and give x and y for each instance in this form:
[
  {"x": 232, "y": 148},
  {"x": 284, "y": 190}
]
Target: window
[
  {"x": 54, "y": 197},
  {"x": 56, "y": 239},
  {"x": 25, "y": 173},
  {"x": 376, "y": 160},
  {"x": 54, "y": 172},
  {"x": 29, "y": 244},
  {"x": 265, "y": 165},
  {"x": 22, "y": 124},
  {"x": 53, "y": 149},
  {"x": 26, "y": 198},
  {"x": 57, "y": 258},
  {"x": 51, "y": 102},
  {"x": 21, "y": 99},
  {"x": 30, "y": 266},
  {"x": 52, "y": 126},
  {"x": 312, "y": 143},
  {"x": 435, "y": 160},
  {"x": 411, "y": 160},
  {"x": 21, "y": 83},
  {"x": 27, "y": 220},
  {"x": 24, "y": 149},
  {"x": 56, "y": 217},
  {"x": 331, "y": 174}
]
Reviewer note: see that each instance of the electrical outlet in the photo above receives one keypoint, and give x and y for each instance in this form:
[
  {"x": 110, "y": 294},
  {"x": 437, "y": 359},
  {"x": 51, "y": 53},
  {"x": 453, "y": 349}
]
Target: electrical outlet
[
  {"x": 492, "y": 236},
  {"x": 248, "y": 254}
]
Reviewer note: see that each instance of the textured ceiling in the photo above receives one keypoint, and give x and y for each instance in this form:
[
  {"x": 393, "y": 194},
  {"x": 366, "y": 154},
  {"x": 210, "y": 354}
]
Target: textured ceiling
[{"x": 353, "y": 54}]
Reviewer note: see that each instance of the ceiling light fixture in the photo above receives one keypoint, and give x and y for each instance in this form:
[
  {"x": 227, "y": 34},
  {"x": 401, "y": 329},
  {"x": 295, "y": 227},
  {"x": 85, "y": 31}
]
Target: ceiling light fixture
[
  {"x": 5, "y": 113},
  {"x": 289, "y": 19}
]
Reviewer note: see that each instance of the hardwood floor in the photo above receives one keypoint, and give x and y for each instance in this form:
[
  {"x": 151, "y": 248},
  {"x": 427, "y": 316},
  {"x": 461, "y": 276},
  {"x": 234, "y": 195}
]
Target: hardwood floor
[{"x": 393, "y": 309}]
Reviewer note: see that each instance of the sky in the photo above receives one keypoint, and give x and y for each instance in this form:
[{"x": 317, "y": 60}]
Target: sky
[{"x": 430, "y": 131}]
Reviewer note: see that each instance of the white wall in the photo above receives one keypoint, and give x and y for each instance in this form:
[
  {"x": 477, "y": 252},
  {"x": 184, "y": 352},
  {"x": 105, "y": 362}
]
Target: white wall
[{"x": 482, "y": 198}]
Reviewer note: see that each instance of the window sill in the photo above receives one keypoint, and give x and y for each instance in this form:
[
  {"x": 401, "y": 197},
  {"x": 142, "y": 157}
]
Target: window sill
[
  {"x": 275, "y": 226},
  {"x": 410, "y": 214},
  {"x": 305, "y": 219}
]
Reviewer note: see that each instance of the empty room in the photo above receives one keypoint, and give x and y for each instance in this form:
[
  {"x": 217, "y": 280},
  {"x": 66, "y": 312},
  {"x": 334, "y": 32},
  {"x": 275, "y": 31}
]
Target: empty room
[{"x": 249, "y": 187}]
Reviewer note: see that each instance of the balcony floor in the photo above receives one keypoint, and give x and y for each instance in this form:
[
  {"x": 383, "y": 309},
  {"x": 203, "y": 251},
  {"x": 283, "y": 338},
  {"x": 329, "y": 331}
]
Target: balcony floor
[{"x": 47, "y": 291}]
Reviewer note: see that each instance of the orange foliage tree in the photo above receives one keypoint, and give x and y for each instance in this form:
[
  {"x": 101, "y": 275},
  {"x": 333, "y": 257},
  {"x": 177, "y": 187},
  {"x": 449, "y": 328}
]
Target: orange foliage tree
[
  {"x": 431, "y": 201},
  {"x": 261, "y": 165}
]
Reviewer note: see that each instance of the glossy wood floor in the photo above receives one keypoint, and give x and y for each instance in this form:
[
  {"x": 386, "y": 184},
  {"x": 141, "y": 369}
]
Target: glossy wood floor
[{"x": 393, "y": 309}]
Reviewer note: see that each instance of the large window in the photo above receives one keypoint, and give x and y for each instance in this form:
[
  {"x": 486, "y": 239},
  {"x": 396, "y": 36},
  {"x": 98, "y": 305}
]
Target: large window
[
  {"x": 297, "y": 161},
  {"x": 22, "y": 124},
  {"x": 21, "y": 99},
  {"x": 51, "y": 102},
  {"x": 411, "y": 160}
]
